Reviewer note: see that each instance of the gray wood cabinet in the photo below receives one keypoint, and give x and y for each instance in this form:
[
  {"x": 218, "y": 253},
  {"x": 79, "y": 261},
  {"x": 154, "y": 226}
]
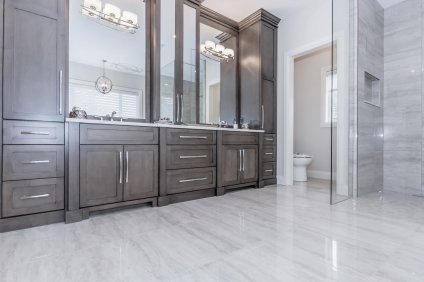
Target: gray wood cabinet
[
  {"x": 102, "y": 172},
  {"x": 116, "y": 173},
  {"x": 239, "y": 164},
  {"x": 258, "y": 70},
  {"x": 141, "y": 172},
  {"x": 34, "y": 60}
]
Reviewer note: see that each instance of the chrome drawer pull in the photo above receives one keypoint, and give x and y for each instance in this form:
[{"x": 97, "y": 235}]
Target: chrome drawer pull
[
  {"x": 268, "y": 170},
  {"x": 34, "y": 197},
  {"x": 193, "y": 137},
  {"x": 193, "y": 157},
  {"x": 269, "y": 153},
  {"x": 35, "y": 162},
  {"x": 34, "y": 133},
  {"x": 192, "y": 180},
  {"x": 269, "y": 139}
]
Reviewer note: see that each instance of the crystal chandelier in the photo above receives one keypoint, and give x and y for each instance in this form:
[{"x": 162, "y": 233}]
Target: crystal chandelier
[
  {"x": 216, "y": 52},
  {"x": 104, "y": 84},
  {"x": 110, "y": 15}
]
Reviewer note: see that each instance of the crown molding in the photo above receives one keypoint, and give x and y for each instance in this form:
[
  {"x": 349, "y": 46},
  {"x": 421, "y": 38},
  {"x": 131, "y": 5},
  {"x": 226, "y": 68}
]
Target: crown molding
[
  {"x": 259, "y": 15},
  {"x": 218, "y": 18}
]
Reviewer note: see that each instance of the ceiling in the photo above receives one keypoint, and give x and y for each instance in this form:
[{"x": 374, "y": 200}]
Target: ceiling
[{"x": 239, "y": 9}]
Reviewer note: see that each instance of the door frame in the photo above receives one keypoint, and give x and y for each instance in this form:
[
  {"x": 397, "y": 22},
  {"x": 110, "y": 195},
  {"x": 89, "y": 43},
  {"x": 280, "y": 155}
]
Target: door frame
[{"x": 288, "y": 102}]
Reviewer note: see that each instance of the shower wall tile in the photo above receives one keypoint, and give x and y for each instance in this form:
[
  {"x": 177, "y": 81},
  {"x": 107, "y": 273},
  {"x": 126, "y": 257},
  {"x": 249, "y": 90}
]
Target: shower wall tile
[
  {"x": 370, "y": 117},
  {"x": 402, "y": 171},
  {"x": 403, "y": 94}
]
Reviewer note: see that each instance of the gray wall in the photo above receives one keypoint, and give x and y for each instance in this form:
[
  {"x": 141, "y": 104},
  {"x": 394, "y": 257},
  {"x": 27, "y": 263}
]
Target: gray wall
[
  {"x": 370, "y": 117},
  {"x": 403, "y": 107},
  {"x": 309, "y": 136}
]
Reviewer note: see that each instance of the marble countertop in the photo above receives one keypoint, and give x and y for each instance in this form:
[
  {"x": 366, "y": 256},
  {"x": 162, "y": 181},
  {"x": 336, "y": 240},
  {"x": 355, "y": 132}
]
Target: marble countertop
[{"x": 91, "y": 121}]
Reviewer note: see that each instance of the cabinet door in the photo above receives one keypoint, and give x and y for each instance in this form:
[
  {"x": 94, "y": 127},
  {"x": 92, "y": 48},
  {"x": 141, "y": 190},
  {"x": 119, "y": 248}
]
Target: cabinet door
[
  {"x": 34, "y": 47},
  {"x": 268, "y": 104},
  {"x": 231, "y": 165},
  {"x": 141, "y": 172},
  {"x": 249, "y": 164},
  {"x": 101, "y": 172}
]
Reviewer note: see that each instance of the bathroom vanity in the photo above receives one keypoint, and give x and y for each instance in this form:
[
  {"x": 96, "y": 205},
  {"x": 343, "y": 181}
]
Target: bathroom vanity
[{"x": 56, "y": 168}]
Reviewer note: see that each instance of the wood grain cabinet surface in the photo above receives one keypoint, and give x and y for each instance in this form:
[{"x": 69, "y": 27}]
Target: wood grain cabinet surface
[
  {"x": 33, "y": 132},
  {"x": 33, "y": 161},
  {"x": 115, "y": 173},
  {"x": 32, "y": 196},
  {"x": 34, "y": 60},
  {"x": 141, "y": 172},
  {"x": 239, "y": 164}
]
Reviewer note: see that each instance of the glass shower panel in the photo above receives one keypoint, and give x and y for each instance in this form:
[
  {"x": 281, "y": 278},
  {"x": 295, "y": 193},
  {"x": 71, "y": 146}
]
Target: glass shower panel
[{"x": 342, "y": 91}]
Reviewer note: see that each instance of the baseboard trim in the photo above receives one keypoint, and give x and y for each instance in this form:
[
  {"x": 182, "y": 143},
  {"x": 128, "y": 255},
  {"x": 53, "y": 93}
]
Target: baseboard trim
[{"x": 319, "y": 174}]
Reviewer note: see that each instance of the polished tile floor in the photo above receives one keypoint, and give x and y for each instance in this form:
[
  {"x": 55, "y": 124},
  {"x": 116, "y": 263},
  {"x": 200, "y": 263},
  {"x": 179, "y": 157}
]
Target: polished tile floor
[{"x": 272, "y": 234}]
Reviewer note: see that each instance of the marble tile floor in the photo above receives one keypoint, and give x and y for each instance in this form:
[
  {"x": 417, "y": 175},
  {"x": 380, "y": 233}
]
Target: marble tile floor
[{"x": 272, "y": 234}]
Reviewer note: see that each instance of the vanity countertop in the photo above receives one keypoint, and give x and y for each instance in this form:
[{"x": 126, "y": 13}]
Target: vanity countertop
[{"x": 91, "y": 121}]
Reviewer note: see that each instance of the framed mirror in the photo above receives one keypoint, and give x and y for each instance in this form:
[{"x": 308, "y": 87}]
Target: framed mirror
[
  {"x": 107, "y": 58},
  {"x": 218, "y": 74}
]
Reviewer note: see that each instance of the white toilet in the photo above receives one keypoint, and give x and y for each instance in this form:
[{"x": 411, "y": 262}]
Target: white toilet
[{"x": 300, "y": 165}]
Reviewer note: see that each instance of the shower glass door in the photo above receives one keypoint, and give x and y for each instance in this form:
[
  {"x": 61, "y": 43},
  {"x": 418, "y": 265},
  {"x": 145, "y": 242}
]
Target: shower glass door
[{"x": 342, "y": 100}]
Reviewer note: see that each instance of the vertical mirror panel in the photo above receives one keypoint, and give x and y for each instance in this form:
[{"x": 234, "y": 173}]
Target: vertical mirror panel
[
  {"x": 218, "y": 83},
  {"x": 190, "y": 55},
  {"x": 167, "y": 58},
  {"x": 107, "y": 57},
  {"x": 342, "y": 76}
]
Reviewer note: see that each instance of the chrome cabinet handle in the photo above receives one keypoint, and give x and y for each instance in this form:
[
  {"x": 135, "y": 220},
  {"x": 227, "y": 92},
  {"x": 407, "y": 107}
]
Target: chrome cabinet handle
[
  {"x": 127, "y": 173},
  {"x": 182, "y": 106},
  {"x": 240, "y": 159},
  {"x": 36, "y": 162},
  {"x": 269, "y": 153},
  {"x": 60, "y": 91},
  {"x": 192, "y": 180},
  {"x": 268, "y": 170},
  {"x": 263, "y": 116},
  {"x": 269, "y": 139},
  {"x": 34, "y": 133},
  {"x": 243, "y": 160},
  {"x": 34, "y": 197},
  {"x": 193, "y": 157},
  {"x": 120, "y": 168},
  {"x": 193, "y": 137}
]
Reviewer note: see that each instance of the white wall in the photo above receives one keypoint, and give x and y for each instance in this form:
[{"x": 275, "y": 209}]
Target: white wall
[
  {"x": 309, "y": 137},
  {"x": 310, "y": 24}
]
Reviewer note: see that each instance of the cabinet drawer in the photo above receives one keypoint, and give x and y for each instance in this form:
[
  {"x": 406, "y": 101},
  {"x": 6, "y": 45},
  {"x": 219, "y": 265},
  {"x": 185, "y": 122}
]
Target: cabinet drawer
[
  {"x": 269, "y": 170},
  {"x": 270, "y": 139},
  {"x": 32, "y": 196},
  {"x": 117, "y": 134},
  {"x": 186, "y": 180},
  {"x": 29, "y": 132},
  {"x": 190, "y": 137},
  {"x": 33, "y": 161},
  {"x": 190, "y": 156},
  {"x": 269, "y": 154},
  {"x": 240, "y": 138}
]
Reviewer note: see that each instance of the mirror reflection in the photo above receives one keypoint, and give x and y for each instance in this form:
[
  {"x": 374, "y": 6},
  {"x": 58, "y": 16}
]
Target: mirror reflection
[
  {"x": 107, "y": 51},
  {"x": 218, "y": 85}
]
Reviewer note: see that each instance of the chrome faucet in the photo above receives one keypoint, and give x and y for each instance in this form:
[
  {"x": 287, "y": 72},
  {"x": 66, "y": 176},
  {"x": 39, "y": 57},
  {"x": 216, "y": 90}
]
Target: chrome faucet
[{"x": 111, "y": 116}]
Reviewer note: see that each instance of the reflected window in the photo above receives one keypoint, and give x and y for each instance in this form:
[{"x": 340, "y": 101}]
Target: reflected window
[
  {"x": 328, "y": 97},
  {"x": 111, "y": 49}
]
